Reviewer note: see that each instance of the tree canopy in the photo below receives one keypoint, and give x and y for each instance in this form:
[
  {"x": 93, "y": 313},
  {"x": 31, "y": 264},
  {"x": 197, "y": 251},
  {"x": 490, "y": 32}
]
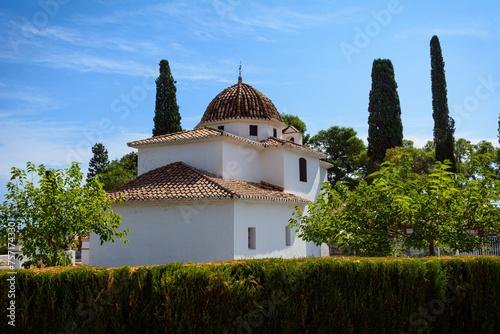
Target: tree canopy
[
  {"x": 120, "y": 171},
  {"x": 297, "y": 123},
  {"x": 50, "y": 213},
  {"x": 385, "y": 129},
  {"x": 345, "y": 151},
  {"x": 167, "y": 118},
  {"x": 402, "y": 210},
  {"x": 419, "y": 160}
]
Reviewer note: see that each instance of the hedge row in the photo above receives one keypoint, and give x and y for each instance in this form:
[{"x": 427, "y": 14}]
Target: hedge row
[{"x": 313, "y": 295}]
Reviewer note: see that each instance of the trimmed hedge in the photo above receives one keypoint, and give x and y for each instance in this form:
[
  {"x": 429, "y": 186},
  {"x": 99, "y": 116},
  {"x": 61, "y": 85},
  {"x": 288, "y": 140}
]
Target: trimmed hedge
[{"x": 313, "y": 295}]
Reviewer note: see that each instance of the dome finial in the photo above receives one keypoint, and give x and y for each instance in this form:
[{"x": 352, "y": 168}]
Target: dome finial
[{"x": 240, "y": 80}]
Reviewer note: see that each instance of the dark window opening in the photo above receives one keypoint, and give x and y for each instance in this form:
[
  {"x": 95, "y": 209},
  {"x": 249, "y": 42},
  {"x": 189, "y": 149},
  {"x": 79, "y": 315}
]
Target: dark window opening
[
  {"x": 275, "y": 133},
  {"x": 253, "y": 130},
  {"x": 303, "y": 170},
  {"x": 292, "y": 139},
  {"x": 251, "y": 238},
  {"x": 221, "y": 127}
]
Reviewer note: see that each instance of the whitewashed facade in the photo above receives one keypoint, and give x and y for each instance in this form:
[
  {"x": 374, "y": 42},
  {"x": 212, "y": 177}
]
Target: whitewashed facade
[{"x": 236, "y": 183}]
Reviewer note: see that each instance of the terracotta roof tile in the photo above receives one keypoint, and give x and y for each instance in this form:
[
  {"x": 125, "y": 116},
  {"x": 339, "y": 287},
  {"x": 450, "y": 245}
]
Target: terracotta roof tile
[
  {"x": 206, "y": 132},
  {"x": 275, "y": 142},
  {"x": 179, "y": 181},
  {"x": 201, "y": 133},
  {"x": 240, "y": 101}
]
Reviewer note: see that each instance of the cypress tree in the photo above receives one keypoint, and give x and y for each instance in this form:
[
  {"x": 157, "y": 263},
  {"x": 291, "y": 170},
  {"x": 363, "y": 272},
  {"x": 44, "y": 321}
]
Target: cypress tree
[
  {"x": 444, "y": 125},
  {"x": 385, "y": 129},
  {"x": 99, "y": 161},
  {"x": 167, "y": 118}
]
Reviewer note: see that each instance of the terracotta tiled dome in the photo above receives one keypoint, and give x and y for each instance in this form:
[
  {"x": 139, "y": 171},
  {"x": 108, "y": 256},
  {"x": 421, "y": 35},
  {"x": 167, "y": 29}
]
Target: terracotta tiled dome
[{"x": 240, "y": 101}]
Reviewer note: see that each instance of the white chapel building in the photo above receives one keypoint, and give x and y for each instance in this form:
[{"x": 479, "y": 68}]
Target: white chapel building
[{"x": 222, "y": 191}]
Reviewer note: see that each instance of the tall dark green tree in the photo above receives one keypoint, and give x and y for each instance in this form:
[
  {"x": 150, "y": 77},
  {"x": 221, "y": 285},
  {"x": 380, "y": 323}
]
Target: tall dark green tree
[
  {"x": 444, "y": 126},
  {"x": 385, "y": 129},
  {"x": 167, "y": 118},
  {"x": 99, "y": 161}
]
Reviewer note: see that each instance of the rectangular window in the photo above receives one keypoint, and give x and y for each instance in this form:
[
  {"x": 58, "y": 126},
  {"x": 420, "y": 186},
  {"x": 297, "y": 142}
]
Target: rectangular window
[
  {"x": 275, "y": 133},
  {"x": 303, "y": 170},
  {"x": 251, "y": 238},
  {"x": 221, "y": 127},
  {"x": 253, "y": 130},
  {"x": 288, "y": 236}
]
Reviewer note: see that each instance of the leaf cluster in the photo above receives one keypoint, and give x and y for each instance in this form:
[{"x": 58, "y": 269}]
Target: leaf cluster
[
  {"x": 402, "y": 209},
  {"x": 51, "y": 207}
]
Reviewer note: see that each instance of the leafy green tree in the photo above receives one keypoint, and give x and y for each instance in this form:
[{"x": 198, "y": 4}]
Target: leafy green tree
[
  {"x": 408, "y": 143},
  {"x": 464, "y": 150},
  {"x": 420, "y": 161},
  {"x": 444, "y": 125},
  {"x": 429, "y": 147},
  {"x": 345, "y": 151},
  {"x": 385, "y": 129},
  {"x": 294, "y": 121},
  {"x": 402, "y": 210},
  {"x": 167, "y": 118},
  {"x": 297, "y": 123},
  {"x": 120, "y": 171},
  {"x": 50, "y": 214},
  {"x": 129, "y": 162},
  {"x": 99, "y": 161}
]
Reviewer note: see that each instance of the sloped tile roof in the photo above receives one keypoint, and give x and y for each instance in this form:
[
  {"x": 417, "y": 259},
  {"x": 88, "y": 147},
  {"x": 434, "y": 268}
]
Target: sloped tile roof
[
  {"x": 201, "y": 133},
  {"x": 179, "y": 181},
  {"x": 205, "y": 133},
  {"x": 275, "y": 142},
  {"x": 291, "y": 129}
]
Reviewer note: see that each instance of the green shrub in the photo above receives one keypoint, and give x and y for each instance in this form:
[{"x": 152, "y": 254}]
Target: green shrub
[{"x": 314, "y": 295}]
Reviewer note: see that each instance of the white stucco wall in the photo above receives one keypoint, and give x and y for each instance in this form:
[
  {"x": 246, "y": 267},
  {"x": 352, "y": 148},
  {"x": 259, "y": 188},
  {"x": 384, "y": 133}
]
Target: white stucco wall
[
  {"x": 308, "y": 190},
  {"x": 163, "y": 232},
  {"x": 269, "y": 220},
  {"x": 202, "y": 231},
  {"x": 272, "y": 162},
  {"x": 203, "y": 155},
  {"x": 242, "y": 128},
  {"x": 241, "y": 162}
]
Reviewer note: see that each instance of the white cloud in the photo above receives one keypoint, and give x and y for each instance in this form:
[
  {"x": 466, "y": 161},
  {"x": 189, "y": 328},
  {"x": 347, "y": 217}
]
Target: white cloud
[{"x": 91, "y": 63}]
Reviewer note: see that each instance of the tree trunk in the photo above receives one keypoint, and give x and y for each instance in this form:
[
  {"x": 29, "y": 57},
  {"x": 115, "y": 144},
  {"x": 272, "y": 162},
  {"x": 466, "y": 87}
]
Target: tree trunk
[{"x": 431, "y": 248}]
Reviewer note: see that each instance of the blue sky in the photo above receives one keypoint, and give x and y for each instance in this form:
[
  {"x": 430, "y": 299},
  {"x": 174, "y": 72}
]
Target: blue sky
[{"x": 73, "y": 73}]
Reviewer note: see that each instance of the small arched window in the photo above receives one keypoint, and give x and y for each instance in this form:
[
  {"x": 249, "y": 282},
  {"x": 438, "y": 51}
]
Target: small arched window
[{"x": 303, "y": 170}]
